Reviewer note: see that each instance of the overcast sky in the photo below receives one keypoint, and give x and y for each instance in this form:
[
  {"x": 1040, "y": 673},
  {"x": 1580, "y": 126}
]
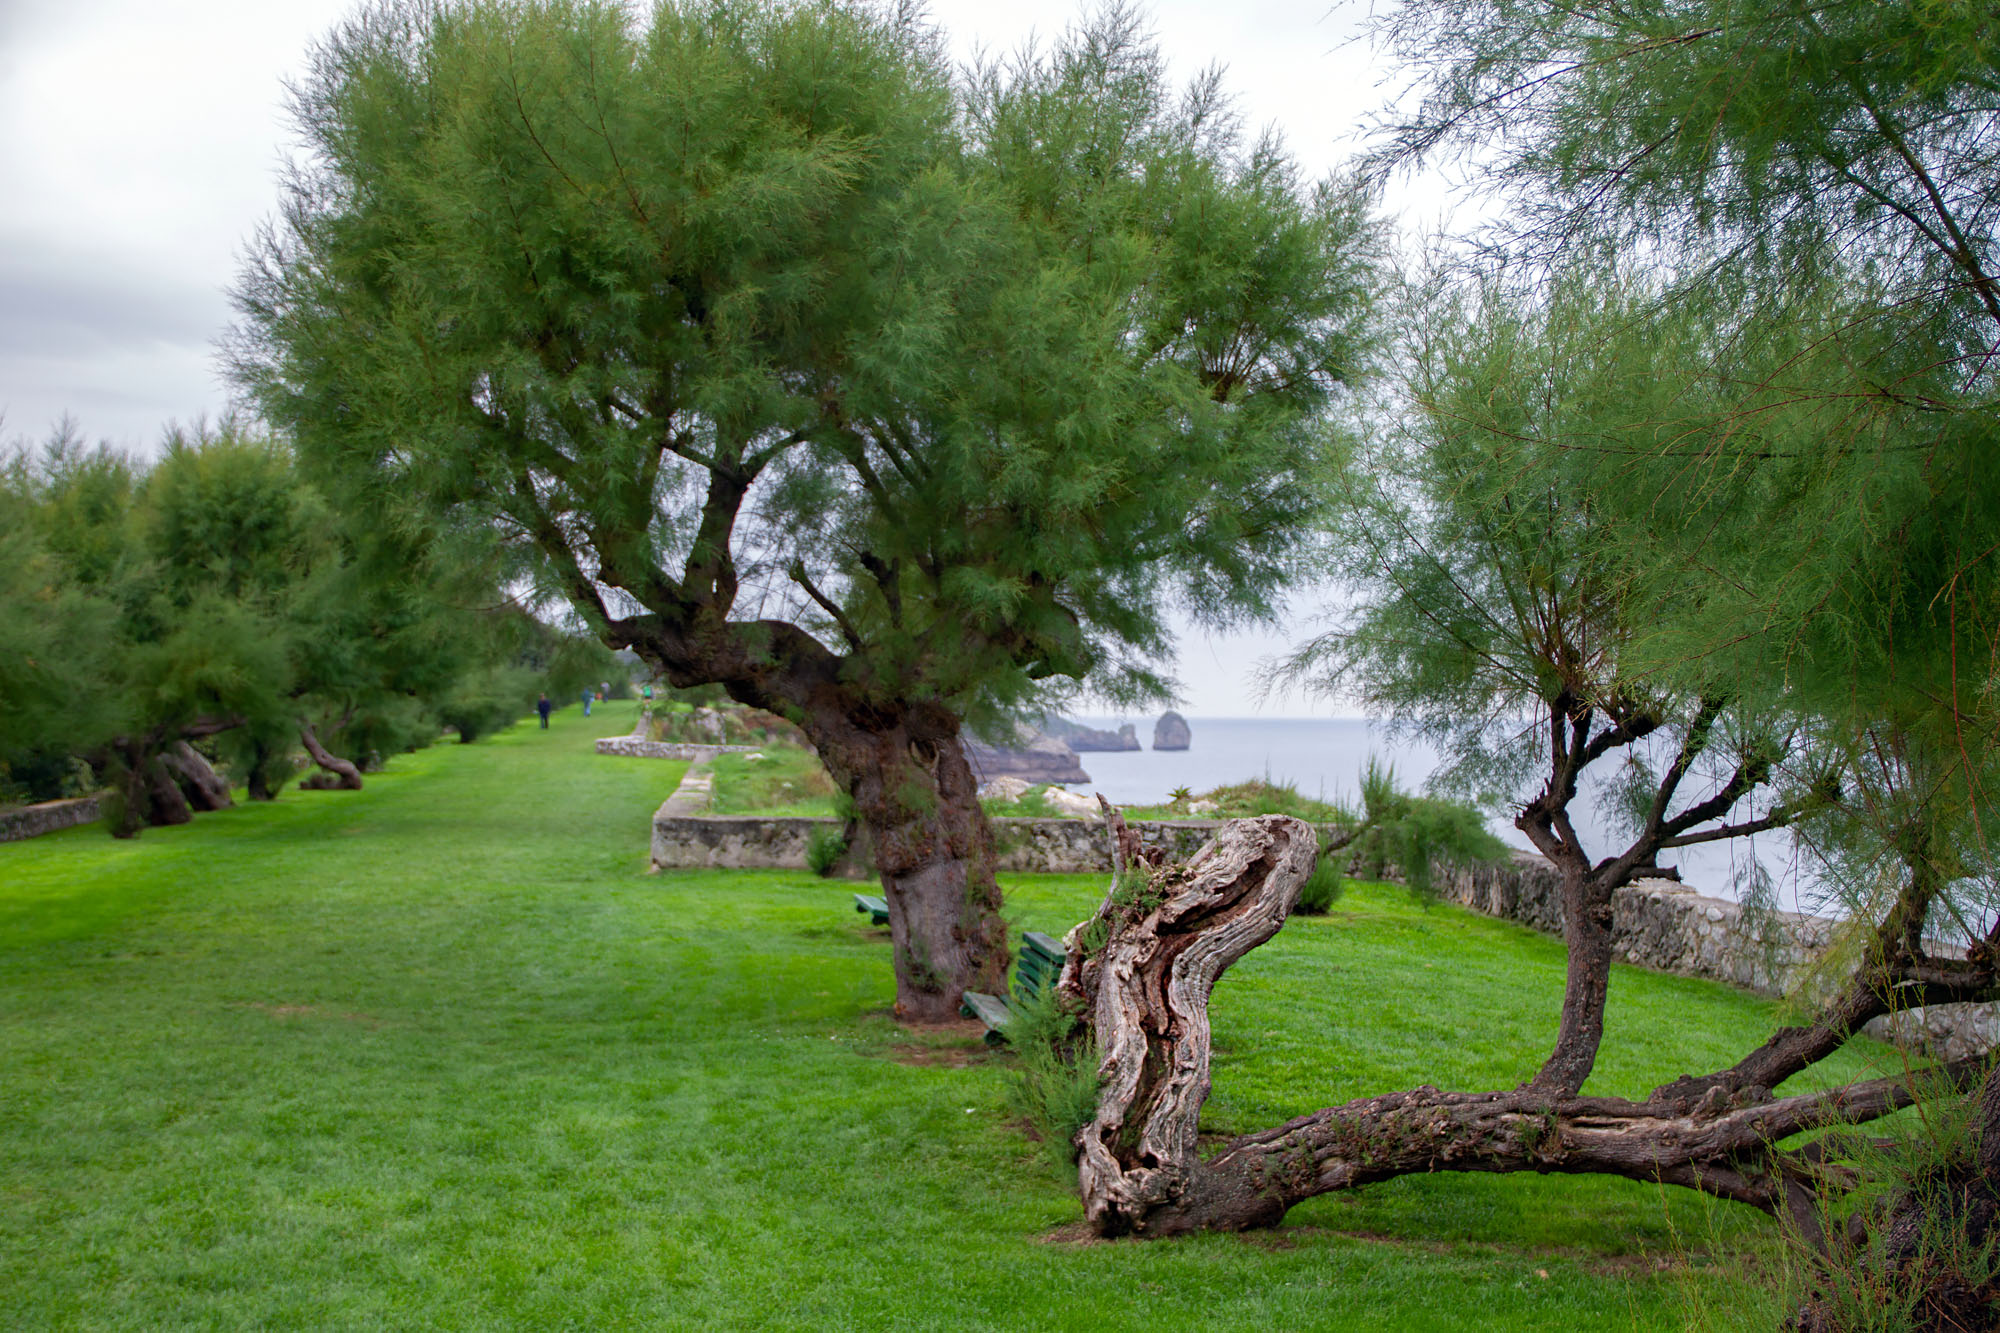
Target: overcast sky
[{"x": 142, "y": 141}]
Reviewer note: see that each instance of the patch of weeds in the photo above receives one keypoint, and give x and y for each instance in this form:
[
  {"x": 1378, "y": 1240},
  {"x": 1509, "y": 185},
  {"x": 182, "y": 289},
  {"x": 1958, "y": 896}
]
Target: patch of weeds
[
  {"x": 1918, "y": 1244},
  {"x": 1031, "y": 804},
  {"x": 1322, "y": 890},
  {"x": 780, "y": 780},
  {"x": 1056, "y": 1089}
]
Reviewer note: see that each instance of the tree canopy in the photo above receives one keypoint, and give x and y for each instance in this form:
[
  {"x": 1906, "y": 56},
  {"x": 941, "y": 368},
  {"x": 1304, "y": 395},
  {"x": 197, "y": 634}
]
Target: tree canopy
[
  {"x": 216, "y": 595},
  {"x": 1697, "y": 460}
]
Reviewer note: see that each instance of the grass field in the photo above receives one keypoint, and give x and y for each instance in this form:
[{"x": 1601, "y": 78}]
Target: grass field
[{"x": 440, "y": 1054}]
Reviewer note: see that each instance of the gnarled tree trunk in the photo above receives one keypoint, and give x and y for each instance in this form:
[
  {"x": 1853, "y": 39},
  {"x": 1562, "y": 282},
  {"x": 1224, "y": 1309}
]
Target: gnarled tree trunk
[
  {"x": 1142, "y": 971},
  {"x": 917, "y": 797},
  {"x": 343, "y": 776},
  {"x": 200, "y": 783},
  {"x": 1168, "y": 934}
]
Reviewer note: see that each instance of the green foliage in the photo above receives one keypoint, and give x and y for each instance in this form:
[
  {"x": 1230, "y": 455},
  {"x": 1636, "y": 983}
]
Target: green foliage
[
  {"x": 485, "y": 701},
  {"x": 1056, "y": 1084},
  {"x": 1244, "y": 800},
  {"x": 1030, "y": 804},
  {"x": 1323, "y": 887},
  {"x": 824, "y": 850},
  {"x": 1414, "y": 834},
  {"x": 1926, "y": 1168},
  {"x": 568, "y": 661},
  {"x": 989, "y": 371},
  {"x": 780, "y": 780},
  {"x": 1796, "y": 386},
  {"x": 218, "y": 591}
]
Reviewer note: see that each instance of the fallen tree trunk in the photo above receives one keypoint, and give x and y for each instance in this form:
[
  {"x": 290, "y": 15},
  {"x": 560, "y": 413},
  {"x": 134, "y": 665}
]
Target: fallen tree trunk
[
  {"x": 165, "y": 804},
  {"x": 1143, "y": 968}
]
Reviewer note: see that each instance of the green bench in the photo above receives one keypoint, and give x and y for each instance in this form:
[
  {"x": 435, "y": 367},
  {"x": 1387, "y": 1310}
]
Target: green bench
[
  {"x": 876, "y": 908},
  {"x": 1037, "y": 969}
]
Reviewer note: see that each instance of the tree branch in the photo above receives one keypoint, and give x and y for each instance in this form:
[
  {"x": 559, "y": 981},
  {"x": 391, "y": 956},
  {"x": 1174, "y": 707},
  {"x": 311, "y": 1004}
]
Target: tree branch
[{"x": 826, "y": 604}]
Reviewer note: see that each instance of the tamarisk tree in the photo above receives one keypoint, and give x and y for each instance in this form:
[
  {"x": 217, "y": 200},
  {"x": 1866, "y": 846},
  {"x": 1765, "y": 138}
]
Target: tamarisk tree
[
  {"x": 1495, "y": 612},
  {"x": 1812, "y": 189},
  {"x": 882, "y": 397},
  {"x": 214, "y": 597}
]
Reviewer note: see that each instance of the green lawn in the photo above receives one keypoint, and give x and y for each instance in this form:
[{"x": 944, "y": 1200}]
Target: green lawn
[{"x": 440, "y": 1054}]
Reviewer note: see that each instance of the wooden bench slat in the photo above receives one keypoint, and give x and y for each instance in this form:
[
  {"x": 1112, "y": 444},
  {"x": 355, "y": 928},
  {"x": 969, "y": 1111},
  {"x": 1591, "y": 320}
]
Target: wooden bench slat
[
  {"x": 1047, "y": 946},
  {"x": 990, "y": 1010}
]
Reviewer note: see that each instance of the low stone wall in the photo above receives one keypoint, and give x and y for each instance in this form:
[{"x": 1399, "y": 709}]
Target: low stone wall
[
  {"x": 1083, "y": 847},
  {"x": 733, "y": 842},
  {"x": 1670, "y": 927},
  {"x": 636, "y": 746},
  {"x": 1033, "y": 846},
  {"x": 31, "y": 821}
]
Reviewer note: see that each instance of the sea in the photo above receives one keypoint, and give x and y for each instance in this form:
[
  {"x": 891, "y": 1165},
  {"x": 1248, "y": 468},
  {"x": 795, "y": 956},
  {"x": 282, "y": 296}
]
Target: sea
[{"x": 1324, "y": 758}]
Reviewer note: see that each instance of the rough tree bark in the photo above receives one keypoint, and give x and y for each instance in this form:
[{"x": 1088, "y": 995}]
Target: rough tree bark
[
  {"x": 916, "y": 796},
  {"x": 1168, "y": 934},
  {"x": 201, "y": 784},
  {"x": 343, "y": 776},
  {"x": 1141, "y": 972},
  {"x": 155, "y": 778},
  {"x": 166, "y": 804},
  {"x": 902, "y": 764}
]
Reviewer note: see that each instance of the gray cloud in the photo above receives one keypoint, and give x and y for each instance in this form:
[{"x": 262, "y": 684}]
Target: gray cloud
[{"x": 58, "y": 304}]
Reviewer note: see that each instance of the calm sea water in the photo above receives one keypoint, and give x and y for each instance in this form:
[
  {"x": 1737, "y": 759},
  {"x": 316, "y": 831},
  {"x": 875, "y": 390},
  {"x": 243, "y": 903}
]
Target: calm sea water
[{"x": 1324, "y": 757}]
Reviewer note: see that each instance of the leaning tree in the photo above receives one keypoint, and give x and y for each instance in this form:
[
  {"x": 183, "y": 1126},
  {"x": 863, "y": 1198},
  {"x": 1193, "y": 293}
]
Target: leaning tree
[
  {"x": 1499, "y": 612},
  {"x": 1816, "y": 180},
  {"x": 881, "y": 398}
]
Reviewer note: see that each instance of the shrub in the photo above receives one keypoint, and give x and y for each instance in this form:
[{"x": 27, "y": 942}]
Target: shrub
[
  {"x": 1917, "y": 1246},
  {"x": 824, "y": 850},
  {"x": 1056, "y": 1085},
  {"x": 486, "y": 701},
  {"x": 1322, "y": 890}
]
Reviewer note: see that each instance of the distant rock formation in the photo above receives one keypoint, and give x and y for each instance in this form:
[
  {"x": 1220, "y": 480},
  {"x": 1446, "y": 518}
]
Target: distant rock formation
[
  {"x": 1037, "y": 758},
  {"x": 1003, "y": 789},
  {"x": 1081, "y": 738},
  {"x": 1170, "y": 732}
]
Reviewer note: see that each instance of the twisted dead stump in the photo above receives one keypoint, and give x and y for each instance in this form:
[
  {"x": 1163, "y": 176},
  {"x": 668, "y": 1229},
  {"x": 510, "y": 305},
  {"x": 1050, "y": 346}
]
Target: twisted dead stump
[{"x": 1143, "y": 969}]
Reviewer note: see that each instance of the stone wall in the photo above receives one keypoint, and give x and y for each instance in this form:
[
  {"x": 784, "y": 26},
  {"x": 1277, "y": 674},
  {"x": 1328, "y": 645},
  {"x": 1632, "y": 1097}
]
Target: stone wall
[
  {"x": 733, "y": 842},
  {"x": 1670, "y": 927},
  {"x": 30, "y": 821},
  {"x": 1037, "y": 846},
  {"x": 636, "y": 746}
]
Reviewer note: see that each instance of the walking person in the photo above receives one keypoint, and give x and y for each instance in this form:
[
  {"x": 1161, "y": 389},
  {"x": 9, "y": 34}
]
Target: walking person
[
  {"x": 542, "y": 706},
  {"x": 586, "y": 703}
]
